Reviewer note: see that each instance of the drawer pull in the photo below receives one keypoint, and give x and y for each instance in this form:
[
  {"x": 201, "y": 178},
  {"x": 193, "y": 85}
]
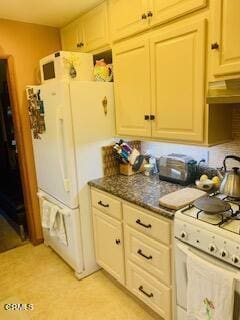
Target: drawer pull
[
  {"x": 149, "y": 295},
  {"x": 138, "y": 221},
  {"x": 117, "y": 241},
  {"x": 103, "y": 205},
  {"x": 143, "y": 255}
]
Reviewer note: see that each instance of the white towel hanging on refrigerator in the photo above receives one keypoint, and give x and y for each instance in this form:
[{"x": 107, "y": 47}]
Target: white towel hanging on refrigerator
[
  {"x": 53, "y": 219},
  {"x": 46, "y": 214},
  {"x": 58, "y": 228}
]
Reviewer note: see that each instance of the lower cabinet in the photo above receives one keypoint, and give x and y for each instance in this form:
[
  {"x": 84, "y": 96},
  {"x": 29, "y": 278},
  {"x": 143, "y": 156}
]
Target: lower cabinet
[
  {"x": 109, "y": 244},
  {"x": 156, "y": 295},
  {"x": 141, "y": 259},
  {"x": 149, "y": 254}
]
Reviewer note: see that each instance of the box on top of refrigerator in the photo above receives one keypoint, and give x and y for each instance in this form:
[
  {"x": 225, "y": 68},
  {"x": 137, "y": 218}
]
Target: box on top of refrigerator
[{"x": 66, "y": 65}]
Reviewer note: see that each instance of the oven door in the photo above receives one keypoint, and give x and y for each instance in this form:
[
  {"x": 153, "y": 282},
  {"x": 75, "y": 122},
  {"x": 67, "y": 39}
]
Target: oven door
[{"x": 181, "y": 252}]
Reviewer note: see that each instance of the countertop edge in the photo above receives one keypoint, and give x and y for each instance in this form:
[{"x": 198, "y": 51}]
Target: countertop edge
[{"x": 162, "y": 212}]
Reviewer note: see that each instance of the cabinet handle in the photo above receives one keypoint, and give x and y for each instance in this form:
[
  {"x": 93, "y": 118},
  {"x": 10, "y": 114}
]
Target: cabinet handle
[
  {"x": 149, "y": 14},
  {"x": 214, "y": 46},
  {"x": 144, "y": 16},
  {"x": 138, "y": 221},
  {"x": 102, "y": 204},
  {"x": 80, "y": 44},
  {"x": 117, "y": 241},
  {"x": 143, "y": 255},
  {"x": 149, "y": 295},
  {"x": 152, "y": 117},
  {"x": 146, "y": 117}
]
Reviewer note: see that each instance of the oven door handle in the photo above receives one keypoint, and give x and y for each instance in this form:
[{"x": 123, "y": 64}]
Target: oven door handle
[
  {"x": 193, "y": 253},
  {"x": 184, "y": 249}
]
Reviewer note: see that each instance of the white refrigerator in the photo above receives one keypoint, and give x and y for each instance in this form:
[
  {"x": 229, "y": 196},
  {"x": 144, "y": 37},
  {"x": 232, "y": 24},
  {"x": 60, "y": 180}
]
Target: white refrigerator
[{"x": 79, "y": 120}]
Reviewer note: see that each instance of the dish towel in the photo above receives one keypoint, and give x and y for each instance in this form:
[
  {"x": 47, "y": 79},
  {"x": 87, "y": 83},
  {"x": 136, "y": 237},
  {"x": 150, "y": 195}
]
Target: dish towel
[
  {"x": 53, "y": 219},
  {"x": 58, "y": 228},
  {"x": 46, "y": 212},
  {"x": 210, "y": 293}
]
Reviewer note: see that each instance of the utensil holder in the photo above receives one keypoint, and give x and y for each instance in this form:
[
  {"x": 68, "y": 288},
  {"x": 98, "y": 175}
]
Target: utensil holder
[{"x": 126, "y": 169}]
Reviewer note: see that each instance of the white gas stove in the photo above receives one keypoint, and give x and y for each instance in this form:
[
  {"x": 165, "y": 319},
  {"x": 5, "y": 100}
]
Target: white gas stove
[
  {"x": 212, "y": 237},
  {"x": 217, "y": 234}
]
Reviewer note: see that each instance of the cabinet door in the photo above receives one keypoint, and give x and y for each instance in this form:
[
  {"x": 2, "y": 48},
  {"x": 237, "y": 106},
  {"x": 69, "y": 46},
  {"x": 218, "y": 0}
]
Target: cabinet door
[
  {"x": 108, "y": 240},
  {"x": 164, "y": 10},
  {"x": 132, "y": 87},
  {"x": 95, "y": 28},
  {"x": 178, "y": 81},
  {"x": 71, "y": 37},
  {"x": 126, "y": 17},
  {"x": 226, "y": 28}
]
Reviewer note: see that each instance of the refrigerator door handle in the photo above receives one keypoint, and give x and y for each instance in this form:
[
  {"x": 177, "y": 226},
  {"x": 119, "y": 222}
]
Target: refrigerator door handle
[{"x": 62, "y": 149}]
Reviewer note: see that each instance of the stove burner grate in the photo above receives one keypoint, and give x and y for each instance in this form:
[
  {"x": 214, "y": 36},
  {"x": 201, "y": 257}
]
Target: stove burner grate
[{"x": 225, "y": 217}]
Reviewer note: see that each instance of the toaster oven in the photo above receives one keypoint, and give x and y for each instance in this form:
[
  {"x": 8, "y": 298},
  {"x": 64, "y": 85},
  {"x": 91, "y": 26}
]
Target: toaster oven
[{"x": 177, "y": 168}]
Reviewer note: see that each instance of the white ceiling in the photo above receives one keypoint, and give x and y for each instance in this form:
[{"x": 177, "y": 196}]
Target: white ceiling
[{"x": 55, "y": 13}]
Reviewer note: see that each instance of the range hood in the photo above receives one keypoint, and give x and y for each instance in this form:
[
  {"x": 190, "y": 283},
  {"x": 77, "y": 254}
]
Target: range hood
[{"x": 227, "y": 91}]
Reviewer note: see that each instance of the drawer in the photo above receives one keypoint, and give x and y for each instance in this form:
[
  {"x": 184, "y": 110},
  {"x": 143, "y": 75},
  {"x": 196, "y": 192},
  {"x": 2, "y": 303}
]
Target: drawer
[
  {"x": 156, "y": 295},
  {"x": 106, "y": 204},
  {"x": 156, "y": 228},
  {"x": 151, "y": 255}
]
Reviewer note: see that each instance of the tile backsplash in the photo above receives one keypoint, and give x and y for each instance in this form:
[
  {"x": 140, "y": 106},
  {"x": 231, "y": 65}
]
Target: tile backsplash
[
  {"x": 213, "y": 155},
  {"x": 158, "y": 149}
]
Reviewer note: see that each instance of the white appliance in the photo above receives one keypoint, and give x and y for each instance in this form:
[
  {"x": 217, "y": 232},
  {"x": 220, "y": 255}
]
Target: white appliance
[
  {"x": 215, "y": 238},
  {"x": 59, "y": 65},
  {"x": 79, "y": 120}
]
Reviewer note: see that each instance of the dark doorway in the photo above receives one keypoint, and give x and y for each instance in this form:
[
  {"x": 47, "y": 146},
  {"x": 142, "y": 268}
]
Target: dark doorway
[{"x": 13, "y": 227}]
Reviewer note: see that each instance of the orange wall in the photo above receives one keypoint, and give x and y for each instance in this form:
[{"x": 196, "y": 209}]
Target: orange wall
[{"x": 27, "y": 43}]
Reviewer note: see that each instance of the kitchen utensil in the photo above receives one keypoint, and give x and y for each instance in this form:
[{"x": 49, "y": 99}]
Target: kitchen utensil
[
  {"x": 148, "y": 169},
  {"x": 138, "y": 163},
  {"x": 211, "y": 205},
  {"x": 102, "y": 71},
  {"x": 230, "y": 184},
  {"x": 181, "y": 198}
]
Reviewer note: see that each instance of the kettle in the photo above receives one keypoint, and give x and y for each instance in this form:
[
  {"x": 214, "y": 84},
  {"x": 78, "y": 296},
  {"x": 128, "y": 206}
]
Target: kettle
[
  {"x": 230, "y": 185},
  {"x": 102, "y": 71}
]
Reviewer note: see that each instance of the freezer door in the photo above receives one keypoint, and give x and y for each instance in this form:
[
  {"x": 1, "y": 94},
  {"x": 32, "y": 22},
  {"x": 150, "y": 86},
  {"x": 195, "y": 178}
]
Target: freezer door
[
  {"x": 72, "y": 253},
  {"x": 54, "y": 152}
]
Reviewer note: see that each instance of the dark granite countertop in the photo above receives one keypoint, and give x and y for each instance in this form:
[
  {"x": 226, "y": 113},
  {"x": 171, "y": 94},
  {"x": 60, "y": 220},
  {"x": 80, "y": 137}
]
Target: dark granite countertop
[{"x": 138, "y": 189}]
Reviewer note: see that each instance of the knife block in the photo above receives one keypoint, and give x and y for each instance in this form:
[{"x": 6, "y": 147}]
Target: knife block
[{"x": 126, "y": 169}]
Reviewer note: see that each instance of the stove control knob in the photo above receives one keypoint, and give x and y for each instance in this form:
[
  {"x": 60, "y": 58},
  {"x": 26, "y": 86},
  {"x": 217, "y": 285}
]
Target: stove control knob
[
  {"x": 235, "y": 259},
  {"x": 183, "y": 235},
  {"x": 223, "y": 253},
  {"x": 212, "y": 248}
]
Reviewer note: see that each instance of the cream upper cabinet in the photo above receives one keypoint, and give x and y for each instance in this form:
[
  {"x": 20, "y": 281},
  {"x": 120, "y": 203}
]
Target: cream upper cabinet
[
  {"x": 108, "y": 240},
  {"x": 127, "y": 17},
  {"x": 72, "y": 37},
  {"x": 163, "y": 10},
  {"x": 178, "y": 82},
  {"x": 95, "y": 28},
  {"x": 225, "y": 38},
  {"x": 132, "y": 87},
  {"x": 87, "y": 33},
  {"x": 162, "y": 76}
]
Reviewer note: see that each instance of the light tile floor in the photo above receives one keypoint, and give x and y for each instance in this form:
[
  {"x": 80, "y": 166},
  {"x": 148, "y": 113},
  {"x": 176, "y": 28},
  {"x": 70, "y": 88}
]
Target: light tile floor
[{"x": 37, "y": 275}]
